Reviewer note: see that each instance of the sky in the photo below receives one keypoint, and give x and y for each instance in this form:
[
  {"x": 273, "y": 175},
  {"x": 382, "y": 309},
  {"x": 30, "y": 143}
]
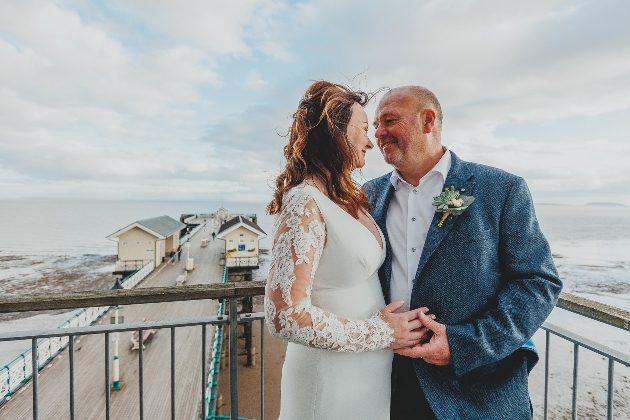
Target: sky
[{"x": 192, "y": 99}]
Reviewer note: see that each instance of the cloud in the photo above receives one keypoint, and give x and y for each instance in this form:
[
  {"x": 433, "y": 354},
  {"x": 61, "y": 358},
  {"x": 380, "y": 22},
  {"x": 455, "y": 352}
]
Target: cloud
[
  {"x": 254, "y": 81},
  {"x": 105, "y": 99}
]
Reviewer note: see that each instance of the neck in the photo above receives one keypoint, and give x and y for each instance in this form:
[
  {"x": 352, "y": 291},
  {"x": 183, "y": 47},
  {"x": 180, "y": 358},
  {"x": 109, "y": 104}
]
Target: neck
[
  {"x": 315, "y": 181},
  {"x": 414, "y": 172}
]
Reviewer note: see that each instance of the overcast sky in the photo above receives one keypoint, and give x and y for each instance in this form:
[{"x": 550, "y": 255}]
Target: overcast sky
[{"x": 190, "y": 99}]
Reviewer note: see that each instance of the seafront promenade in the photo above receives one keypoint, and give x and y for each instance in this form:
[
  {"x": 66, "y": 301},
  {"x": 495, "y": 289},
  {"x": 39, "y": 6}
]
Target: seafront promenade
[{"x": 53, "y": 382}]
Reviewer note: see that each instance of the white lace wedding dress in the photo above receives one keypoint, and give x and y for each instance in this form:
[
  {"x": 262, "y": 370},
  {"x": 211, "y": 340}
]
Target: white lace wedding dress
[{"x": 322, "y": 296}]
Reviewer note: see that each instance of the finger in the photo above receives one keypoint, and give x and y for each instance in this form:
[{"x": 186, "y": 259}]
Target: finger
[
  {"x": 394, "y": 306},
  {"x": 415, "y": 351},
  {"x": 415, "y": 337},
  {"x": 428, "y": 322},
  {"x": 410, "y": 315},
  {"x": 415, "y": 324}
]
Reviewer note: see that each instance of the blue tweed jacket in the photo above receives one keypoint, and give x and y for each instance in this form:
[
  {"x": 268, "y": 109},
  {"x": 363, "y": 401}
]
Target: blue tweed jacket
[{"x": 489, "y": 277}]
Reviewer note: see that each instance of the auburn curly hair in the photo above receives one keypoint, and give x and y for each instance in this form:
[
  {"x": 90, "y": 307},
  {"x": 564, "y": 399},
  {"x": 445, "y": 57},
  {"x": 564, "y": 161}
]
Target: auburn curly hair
[{"x": 318, "y": 147}]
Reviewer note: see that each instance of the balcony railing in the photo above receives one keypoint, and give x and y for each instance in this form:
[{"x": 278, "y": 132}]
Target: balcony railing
[
  {"x": 599, "y": 312},
  {"x": 130, "y": 265},
  {"x": 231, "y": 292},
  {"x": 241, "y": 262}
]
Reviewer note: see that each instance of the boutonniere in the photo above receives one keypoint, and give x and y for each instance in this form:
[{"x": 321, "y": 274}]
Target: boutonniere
[{"x": 451, "y": 202}]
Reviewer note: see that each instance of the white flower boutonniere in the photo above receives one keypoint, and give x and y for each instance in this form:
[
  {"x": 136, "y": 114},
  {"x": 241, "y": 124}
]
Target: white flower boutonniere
[{"x": 451, "y": 202}]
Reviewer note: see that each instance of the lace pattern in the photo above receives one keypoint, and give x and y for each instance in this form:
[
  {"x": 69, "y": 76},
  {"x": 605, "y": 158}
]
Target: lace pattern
[{"x": 299, "y": 238}]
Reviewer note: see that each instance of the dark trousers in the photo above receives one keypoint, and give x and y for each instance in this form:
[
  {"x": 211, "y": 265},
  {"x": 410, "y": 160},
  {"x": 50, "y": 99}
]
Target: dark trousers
[{"x": 408, "y": 400}]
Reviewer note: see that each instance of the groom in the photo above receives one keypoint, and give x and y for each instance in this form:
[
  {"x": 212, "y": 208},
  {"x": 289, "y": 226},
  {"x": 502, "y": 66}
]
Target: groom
[{"x": 487, "y": 273}]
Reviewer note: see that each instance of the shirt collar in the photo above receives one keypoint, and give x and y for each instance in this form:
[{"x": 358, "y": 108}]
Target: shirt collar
[{"x": 442, "y": 167}]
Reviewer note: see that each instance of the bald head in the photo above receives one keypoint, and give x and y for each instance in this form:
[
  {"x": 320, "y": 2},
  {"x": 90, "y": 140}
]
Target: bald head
[{"x": 420, "y": 98}]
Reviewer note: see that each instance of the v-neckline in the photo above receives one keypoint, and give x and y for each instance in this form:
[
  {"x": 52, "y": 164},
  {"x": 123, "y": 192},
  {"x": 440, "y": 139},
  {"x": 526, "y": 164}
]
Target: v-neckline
[{"x": 381, "y": 243}]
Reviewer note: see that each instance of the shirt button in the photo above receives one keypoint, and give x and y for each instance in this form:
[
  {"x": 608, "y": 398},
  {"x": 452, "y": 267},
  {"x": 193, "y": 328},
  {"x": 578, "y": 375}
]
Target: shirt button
[
  {"x": 413, "y": 219},
  {"x": 413, "y": 249},
  {"x": 415, "y": 191}
]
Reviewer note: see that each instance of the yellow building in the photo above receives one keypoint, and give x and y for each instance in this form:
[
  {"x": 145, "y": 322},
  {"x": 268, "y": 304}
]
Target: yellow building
[
  {"x": 146, "y": 240},
  {"x": 241, "y": 237}
]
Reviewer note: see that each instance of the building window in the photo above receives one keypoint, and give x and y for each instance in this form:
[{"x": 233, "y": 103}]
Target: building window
[
  {"x": 125, "y": 243},
  {"x": 231, "y": 240},
  {"x": 251, "y": 240},
  {"x": 137, "y": 242},
  {"x": 241, "y": 247},
  {"x": 149, "y": 242},
  {"x": 242, "y": 240},
  {"x": 242, "y": 234}
]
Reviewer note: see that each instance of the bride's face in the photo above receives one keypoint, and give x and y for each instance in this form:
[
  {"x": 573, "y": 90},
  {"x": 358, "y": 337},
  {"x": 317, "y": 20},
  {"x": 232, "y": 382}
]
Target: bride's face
[{"x": 357, "y": 134}]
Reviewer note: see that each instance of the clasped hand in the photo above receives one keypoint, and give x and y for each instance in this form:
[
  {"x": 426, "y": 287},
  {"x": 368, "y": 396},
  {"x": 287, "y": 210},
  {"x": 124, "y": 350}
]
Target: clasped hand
[{"x": 411, "y": 335}]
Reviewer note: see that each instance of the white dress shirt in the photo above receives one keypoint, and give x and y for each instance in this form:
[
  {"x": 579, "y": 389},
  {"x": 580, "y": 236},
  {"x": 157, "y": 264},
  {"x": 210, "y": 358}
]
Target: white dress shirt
[{"x": 409, "y": 217}]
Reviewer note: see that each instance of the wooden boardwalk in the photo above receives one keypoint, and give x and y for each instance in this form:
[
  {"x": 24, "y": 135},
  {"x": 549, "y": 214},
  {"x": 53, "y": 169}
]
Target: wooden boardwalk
[{"x": 89, "y": 359}]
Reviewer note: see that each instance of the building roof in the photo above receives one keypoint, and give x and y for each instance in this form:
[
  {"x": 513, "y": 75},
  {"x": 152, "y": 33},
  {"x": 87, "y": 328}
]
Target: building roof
[
  {"x": 161, "y": 227},
  {"x": 240, "y": 221}
]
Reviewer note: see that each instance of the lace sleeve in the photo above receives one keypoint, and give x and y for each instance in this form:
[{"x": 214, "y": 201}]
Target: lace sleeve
[{"x": 299, "y": 238}]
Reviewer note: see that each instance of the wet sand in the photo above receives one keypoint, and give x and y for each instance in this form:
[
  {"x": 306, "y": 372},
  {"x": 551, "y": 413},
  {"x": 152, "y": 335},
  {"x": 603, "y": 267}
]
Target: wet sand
[{"x": 23, "y": 275}]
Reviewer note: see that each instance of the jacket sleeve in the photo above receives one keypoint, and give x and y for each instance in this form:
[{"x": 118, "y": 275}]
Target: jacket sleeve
[
  {"x": 299, "y": 238},
  {"x": 530, "y": 287}
]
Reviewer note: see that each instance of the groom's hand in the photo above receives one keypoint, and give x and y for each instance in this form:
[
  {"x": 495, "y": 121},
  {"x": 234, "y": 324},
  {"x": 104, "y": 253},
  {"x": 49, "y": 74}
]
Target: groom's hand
[
  {"x": 408, "y": 329},
  {"x": 436, "y": 351}
]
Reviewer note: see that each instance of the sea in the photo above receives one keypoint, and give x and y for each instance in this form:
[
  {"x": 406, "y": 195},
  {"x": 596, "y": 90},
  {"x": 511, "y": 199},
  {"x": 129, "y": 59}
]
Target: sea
[{"x": 50, "y": 245}]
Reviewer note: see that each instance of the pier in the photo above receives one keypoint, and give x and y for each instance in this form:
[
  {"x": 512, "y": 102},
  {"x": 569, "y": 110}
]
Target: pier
[
  {"x": 90, "y": 398},
  {"x": 167, "y": 380}
]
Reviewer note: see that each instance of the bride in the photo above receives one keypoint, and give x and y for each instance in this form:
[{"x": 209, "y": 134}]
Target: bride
[{"x": 323, "y": 294}]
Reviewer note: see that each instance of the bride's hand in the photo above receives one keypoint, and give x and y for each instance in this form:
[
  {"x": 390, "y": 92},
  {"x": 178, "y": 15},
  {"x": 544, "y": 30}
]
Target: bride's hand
[{"x": 408, "y": 329}]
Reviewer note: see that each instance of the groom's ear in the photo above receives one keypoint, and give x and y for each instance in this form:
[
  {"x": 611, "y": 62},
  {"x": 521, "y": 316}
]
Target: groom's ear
[{"x": 427, "y": 119}]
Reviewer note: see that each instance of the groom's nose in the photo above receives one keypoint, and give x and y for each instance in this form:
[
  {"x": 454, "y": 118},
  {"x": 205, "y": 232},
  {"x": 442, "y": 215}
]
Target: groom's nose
[{"x": 380, "y": 132}]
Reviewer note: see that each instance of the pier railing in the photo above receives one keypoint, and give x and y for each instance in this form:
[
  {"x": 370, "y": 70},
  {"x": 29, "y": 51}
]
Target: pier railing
[
  {"x": 230, "y": 292},
  {"x": 130, "y": 265},
  {"x": 241, "y": 261},
  {"x": 192, "y": 233},
  {"x": 599, "y": 312},
  {"x": 222, "y": 291},
  {"x": 18, "y": 371}
]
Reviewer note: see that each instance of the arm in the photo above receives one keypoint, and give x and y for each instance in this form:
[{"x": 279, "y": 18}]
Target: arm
[
  {"x": 529, "y": 291},
  {"x": 299, "y": 238}
]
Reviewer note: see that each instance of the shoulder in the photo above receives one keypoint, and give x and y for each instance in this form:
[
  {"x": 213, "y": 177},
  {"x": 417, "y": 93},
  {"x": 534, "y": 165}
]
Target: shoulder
[
  {"x": 490, "y": 176},
  {"x": 301, "y": 201}
]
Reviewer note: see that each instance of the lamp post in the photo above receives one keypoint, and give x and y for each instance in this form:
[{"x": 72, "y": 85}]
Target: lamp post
[
  {"x": 116, "y": 384},
  {"x": 187, "y": 245}
]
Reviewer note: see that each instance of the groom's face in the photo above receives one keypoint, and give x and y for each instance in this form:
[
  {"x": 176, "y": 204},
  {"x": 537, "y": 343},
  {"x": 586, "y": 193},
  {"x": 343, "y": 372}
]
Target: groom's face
[{"x": 398, "y": 128}]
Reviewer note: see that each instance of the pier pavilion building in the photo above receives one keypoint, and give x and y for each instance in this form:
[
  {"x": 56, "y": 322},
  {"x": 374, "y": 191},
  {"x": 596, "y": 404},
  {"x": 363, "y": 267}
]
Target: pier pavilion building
[
  {"x": 146, "y": 240},
  {"x": 241, "y": 236}
]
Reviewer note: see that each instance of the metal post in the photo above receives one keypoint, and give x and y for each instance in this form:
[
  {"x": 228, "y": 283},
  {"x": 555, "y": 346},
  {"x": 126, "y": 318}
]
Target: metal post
[
  {"x": 173, "y": 373},
  {"x": 116, "y": 364},
  {"x": 262, "y": 369},
  {"x": 71, "y": 361},
  {"x": 611, "y": 388},
  {"x": 107, "y": 391},
  {"x": 35, "y": 373},
  {"x": 547, "y": 342},
  {"x": 576, "y": 354},
  {"x": 141, "y": 374},
  {"x": 204, "y": 383},
  {"x": 233, "y": 361}
]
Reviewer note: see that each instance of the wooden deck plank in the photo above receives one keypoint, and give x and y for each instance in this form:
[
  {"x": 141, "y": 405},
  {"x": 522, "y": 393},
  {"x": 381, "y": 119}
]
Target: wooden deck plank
[{"x": 54, "y": 392}]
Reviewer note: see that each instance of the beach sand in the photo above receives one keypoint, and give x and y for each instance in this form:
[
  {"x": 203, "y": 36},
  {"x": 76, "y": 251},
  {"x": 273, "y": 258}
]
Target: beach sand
[{"x": 24, "y": 275}]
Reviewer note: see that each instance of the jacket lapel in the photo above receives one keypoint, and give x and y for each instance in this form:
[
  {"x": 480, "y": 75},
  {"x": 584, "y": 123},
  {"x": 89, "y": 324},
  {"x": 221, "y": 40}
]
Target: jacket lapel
[
  {"x": 459, "y": 177},
  {"x": 379, "y": 214}
]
